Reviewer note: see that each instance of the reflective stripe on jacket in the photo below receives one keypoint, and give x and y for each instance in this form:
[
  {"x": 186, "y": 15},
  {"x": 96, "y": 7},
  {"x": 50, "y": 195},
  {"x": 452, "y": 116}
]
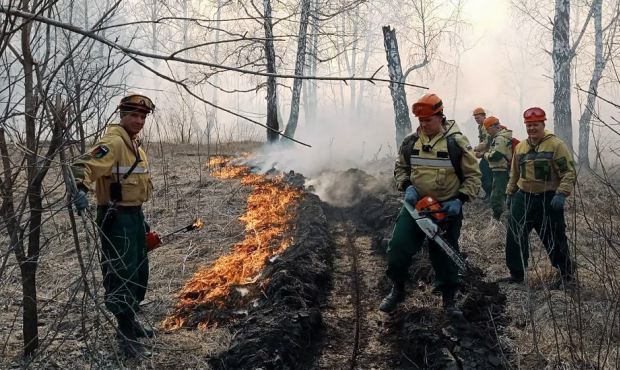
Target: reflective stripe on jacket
[
  {"x": 547, "y": 166},
  {"x": 431, "y": 172},
  {"x": 111, "y": 159},
  {"x": 500, "y": 150}
]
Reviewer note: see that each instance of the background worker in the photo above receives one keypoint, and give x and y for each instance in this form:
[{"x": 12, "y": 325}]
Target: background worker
[
  {"x": 542, "y": 175},
  {"x": 424, "y": 168},
  {"x": 483, "y": 145},
  {"x": 498, "y": 156},
  {"x": 118, "y": 169}
]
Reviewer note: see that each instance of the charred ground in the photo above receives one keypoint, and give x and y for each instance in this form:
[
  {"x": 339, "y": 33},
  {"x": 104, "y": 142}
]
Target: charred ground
[{"x": 315, "y": 305}]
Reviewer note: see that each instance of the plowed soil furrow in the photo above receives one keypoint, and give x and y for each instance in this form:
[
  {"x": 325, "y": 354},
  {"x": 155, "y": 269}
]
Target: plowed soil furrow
[{"x": 353, "y": 328}]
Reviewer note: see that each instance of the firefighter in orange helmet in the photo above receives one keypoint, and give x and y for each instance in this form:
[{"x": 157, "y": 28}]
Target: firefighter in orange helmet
[
  {"x": 435, "y": 161},
  {"x": 542, "y": 175},
  {"x": 118, "y": 170},
  {"x": 480, "y": 115},
  {"x": 498, "y": 156}
]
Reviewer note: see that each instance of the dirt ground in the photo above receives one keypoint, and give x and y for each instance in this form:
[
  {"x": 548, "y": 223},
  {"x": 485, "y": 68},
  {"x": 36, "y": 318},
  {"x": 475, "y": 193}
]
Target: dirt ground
[{"x": 319, "y": 299}]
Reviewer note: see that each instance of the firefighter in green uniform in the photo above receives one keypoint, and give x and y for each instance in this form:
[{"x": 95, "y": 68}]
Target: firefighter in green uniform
[
  {"x": 542, "y": 175},
  {"x": 425, "y": 168},
  {"x": 498, "y": 156},
  {"x": 483, "y": 145},
  {"x": 118, "y": 170}
]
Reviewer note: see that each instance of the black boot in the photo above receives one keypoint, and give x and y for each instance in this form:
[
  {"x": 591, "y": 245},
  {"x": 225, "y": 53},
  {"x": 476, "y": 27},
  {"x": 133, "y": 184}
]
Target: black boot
[
  {"x": 142, "y": 331},
  {"x": 128, "y": 340},
  {"x": 512, "y": 279},
  {"x": 449, "y": 305},
  {"x": 397, "y": 294},
  {"x": 564, "y": 282}
]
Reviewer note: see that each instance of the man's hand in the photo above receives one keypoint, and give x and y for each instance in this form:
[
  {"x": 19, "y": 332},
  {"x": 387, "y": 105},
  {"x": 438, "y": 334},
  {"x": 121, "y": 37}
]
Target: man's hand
[
  {"x": 452, "y": 207},
  {"x": 478, "y": 154},
  {"x": 81, "y": 201},
  {"x": 411, "y": 195},
  {"x": 557, "y": 202}
]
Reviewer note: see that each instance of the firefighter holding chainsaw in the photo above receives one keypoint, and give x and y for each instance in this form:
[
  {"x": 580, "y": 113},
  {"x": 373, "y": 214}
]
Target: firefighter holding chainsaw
[
  {"x": 435, "y": 162},
  {"x": 118, "y": 169},
  {"x": 498, "y": 156},
  {"x": 542, "y": 176}
]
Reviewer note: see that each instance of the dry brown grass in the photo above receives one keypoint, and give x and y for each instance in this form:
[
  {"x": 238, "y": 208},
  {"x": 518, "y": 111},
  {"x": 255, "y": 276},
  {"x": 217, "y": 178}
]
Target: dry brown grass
[
  {"x": 553, "y": 329},
  {"x": 183, "y": 190}
]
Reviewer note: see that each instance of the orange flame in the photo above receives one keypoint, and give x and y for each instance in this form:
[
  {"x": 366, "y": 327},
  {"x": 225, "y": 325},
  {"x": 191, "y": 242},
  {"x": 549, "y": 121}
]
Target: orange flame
[
  {"x": 267, "y": 219},
  {"x": 198, "y": 224}
]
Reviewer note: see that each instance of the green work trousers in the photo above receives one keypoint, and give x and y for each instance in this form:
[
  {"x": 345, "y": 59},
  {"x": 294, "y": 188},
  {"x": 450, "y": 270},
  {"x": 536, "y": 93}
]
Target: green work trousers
[
  {"x": 487, "y": 177},
  {"x": 407, "y": 240},
  {"x": 533, "y": 211},
  {"x": 124, "y": 261},
  {"x": 498, "y": 194}
]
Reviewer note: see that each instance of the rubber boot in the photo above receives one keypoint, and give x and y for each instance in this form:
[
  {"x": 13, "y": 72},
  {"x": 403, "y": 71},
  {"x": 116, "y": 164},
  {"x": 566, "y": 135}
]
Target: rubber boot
[
  {"x": 142, "y": 331},
  {"x": 512, "y": 279},
  {"x": 563, "y": 282},
  {"x": 397, "y": 294},
  {"x": 128, "y": 340},
  {"x": 449, "y": 306}
]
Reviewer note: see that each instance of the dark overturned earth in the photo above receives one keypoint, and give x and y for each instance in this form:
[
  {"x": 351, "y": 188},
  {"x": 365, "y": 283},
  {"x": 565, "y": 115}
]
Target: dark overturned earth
[{"x": 283, "y": 328}]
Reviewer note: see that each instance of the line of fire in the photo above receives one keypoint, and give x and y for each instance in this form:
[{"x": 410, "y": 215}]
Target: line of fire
[{"x": 270, "y": 209}]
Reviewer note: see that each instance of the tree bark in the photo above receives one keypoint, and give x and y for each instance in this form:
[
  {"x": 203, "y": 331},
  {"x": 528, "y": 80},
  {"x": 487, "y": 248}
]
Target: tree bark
[
  {"x": 397, "y": 90},
  {"x": 272, "y": 98},
  {"x": 28, "y": 263},
  {"x": 597, "y": 74},
  {"x": 561, "y": 73},
  {"x": 300, "y": 62}
]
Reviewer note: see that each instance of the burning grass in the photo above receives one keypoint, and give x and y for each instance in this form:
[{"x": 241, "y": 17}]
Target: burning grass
[{"x": 267, "y": 221}]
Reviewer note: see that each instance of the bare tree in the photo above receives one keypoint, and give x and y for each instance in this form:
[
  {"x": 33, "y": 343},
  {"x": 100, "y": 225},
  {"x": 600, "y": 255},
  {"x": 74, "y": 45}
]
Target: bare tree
[
  {"x": 300, "y": 62},
  {"x": 603, "y": 51},
  {"x": 399, "y": 96}
]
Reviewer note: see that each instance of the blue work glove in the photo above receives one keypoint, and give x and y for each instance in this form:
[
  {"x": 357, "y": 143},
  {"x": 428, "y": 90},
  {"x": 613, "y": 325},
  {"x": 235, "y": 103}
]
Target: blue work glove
[
  {"x": 411, "y": 195},
  {"x": 452, "y": 207},
  {"x": 557, "y": 202},
  {"x": 81, "y": 201}
]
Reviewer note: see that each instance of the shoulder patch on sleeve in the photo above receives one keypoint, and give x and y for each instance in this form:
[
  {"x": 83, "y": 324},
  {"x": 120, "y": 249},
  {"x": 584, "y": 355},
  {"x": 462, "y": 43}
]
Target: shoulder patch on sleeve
[
  {"x": 99, "y": 151},
  {"x": 462, "y": 141}
]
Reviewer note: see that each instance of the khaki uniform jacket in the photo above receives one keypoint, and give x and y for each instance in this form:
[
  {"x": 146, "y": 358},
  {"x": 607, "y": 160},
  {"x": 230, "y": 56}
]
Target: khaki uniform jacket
[
  {"x": 431, "y": 173},
  {"x": 483, "y": 139},
  {"x": 500, "y": 150},
  {"x": 547, "y": 166},
  {"x": 110, "y": 160}
]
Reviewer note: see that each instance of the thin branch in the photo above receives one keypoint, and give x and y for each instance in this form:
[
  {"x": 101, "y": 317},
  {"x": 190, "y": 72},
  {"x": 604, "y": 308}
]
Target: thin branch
[{"x": 127, "y": 50}]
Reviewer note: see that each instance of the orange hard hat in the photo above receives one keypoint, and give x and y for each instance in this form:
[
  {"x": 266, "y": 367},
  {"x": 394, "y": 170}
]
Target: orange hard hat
[
  {"x": 429, "y": 204},
  {"x": 490, "y": 121},
  {"x": 534, "y": 114},
  {"x": 479, "y": 110},
  {"x": 428, "y": 105}
]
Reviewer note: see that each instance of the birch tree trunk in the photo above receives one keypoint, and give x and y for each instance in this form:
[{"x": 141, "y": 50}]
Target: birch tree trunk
[
  {"x": 561, "y": 73},
  {"x": 270, "y": 53},
  {"x": 599, "y": 66},
  {"x": 397, "y": 90},
  {"x": 216, "y": 54},
  {"x": 299, "y": 68}
]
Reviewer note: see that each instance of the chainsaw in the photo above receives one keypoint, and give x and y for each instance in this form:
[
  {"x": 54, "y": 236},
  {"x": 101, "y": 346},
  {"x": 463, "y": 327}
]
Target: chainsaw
[{"x": 423, "y": 213}]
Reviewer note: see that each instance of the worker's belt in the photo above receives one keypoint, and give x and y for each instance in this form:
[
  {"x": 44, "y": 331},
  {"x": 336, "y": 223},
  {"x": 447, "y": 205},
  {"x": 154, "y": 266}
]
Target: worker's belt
[
  {"x": 122, "y": 209},
  {"x": 550, "y": 193}
]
